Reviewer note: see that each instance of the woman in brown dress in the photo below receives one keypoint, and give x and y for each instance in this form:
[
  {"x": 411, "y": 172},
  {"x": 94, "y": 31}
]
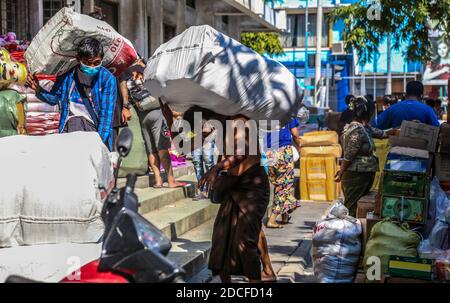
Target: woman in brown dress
[{"x": 238, "y": 243}]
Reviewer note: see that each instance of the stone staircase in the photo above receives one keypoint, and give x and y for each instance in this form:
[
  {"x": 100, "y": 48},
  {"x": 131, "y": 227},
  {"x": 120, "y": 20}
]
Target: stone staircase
[{"x": 186, "y": 222}]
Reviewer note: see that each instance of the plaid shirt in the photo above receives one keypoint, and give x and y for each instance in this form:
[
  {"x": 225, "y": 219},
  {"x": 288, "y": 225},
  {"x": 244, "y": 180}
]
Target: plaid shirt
[{"x": 104, "y": 93}]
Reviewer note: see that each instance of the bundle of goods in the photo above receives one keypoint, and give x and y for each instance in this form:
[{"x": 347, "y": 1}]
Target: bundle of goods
[
  {"x": 405, "y": 187},
  {"x": 12, "y": 114},
  {"x": 388, "y": 239},
  {"x": 15, "y": 47},
  {"x": 11, "y": 71},
  {"x": 336, "y": 246},
  {"x": 42, "y": 119},
  {"x": 437, "y": 231},
  {"x": 206, "y": 68},
  {"x": 53, "y": 50},
  {"x": 318, "y": 166},
  {"x": 61, "y": 206}
]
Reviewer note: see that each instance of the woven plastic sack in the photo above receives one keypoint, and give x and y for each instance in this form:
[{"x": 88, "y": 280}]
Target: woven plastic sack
[
  {"x": 336, "y": 246},
  {"x": 391, "y": 239},
  {"x": 53, "y": 50},
  {"x": 207, "y": 68},
  {"x": 50, "y": 189}
]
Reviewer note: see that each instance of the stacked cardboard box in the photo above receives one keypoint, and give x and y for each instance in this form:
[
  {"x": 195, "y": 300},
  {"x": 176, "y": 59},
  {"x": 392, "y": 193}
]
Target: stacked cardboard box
[
  {"x": 318, "y": 166},
  {"x": 406, "y": 178}
]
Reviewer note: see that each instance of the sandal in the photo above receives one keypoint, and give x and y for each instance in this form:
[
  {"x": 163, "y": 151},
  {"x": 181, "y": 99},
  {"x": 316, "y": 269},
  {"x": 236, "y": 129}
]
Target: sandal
[{"x": 274, "y": 226}]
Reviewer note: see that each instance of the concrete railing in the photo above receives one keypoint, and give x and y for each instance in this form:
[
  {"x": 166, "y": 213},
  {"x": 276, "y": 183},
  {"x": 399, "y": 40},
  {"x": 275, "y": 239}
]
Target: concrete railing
[{"x": 276, "y": 18}]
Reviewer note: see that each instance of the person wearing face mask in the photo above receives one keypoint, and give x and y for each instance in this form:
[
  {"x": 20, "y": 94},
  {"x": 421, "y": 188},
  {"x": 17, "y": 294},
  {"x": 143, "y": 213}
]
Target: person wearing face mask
[{"x": 86, "y": 94}]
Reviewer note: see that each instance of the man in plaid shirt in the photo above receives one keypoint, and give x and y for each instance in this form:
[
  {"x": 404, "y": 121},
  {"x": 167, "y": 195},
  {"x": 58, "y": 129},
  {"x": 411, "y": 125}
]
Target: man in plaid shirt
[{"x": 86, "y": 94}]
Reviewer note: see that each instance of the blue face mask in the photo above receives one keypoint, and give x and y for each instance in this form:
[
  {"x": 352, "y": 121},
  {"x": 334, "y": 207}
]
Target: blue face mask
[{"x": 90, "y": 71}]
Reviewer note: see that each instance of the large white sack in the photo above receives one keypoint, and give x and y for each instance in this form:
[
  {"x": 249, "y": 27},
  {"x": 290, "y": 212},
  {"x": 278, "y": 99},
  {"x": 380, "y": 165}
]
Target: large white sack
[
  {"x": 49, "y": 188},
  {"x": 206, "y": 68},
  {"x": 53, "y": 50},
  {"x": 46, "y": 263},
  {"x": 336, "y": 247}
]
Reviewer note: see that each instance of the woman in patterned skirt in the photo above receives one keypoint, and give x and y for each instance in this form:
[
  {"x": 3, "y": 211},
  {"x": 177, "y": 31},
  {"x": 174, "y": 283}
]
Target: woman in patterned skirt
[{"x": 280, "y": 155}]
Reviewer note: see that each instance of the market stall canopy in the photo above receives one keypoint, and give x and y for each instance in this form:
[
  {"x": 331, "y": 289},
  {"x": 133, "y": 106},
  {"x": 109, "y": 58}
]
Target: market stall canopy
[{"x": 206, "y": 68}]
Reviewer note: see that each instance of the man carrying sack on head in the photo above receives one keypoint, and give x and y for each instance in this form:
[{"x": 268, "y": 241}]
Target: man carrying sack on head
[{"x": 86, "y": 94}]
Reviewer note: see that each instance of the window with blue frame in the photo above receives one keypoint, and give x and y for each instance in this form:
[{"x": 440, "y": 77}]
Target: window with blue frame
[{"x": 295, "y": 36}]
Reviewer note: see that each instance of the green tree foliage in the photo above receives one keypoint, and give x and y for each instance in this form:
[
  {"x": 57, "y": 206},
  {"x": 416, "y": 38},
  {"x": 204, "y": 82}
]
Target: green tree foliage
[
  {"x": 406, "y": 20},
  {"x": 263, "y": 42}
]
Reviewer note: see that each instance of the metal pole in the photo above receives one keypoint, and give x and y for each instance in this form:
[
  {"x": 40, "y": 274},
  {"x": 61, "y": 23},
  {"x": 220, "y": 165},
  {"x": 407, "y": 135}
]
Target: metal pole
[
  {"x": 374, "y": 87},
  {"x": 307, "y": 45},
  {"x": 389, "y": 69},
  {"x": 318, "y": 50},
  {"x": 327, "y": 100}
]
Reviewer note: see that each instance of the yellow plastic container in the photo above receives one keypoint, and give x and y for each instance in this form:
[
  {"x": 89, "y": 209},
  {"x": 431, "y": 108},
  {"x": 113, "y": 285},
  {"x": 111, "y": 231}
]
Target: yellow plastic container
[
  {"x": 382, "y": 149},
  {"x": 322, "y": 151},
  {"x": 317, "y": 179},
  {"x": 320, "y": 138}
]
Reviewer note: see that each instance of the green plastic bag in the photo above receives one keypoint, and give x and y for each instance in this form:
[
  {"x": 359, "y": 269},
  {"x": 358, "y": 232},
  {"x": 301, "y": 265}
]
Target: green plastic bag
[
  {"x": 9, "y": 116},
  {"x": 137, "y": 160},
  {"x": 390, "y": 239}
]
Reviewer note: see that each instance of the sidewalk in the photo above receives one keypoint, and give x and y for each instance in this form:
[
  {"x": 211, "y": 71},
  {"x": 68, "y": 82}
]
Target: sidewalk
[{"x": 290, "y": 247}]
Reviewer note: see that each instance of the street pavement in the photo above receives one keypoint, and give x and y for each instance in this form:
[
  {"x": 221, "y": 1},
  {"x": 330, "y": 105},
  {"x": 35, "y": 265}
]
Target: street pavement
[{"x": 290, "y": 247}]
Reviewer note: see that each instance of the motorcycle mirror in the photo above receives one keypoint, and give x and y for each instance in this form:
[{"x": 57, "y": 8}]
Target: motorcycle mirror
[{"x": 124, "y": 142}]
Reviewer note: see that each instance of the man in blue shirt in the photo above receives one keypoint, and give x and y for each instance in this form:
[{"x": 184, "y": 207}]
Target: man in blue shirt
[
  {"x": 86, "y": 94},
  {"x": 412, "y": 109}
]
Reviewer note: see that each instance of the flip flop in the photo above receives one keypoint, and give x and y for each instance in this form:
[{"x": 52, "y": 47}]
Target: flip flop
[{"x": 158, "y": 186}]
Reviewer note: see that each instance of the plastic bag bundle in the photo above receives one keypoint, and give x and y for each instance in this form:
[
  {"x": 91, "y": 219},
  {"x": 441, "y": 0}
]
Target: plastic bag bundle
[
  {"x": 336, "y": 246},
  {"x": 206, "y": 68},
  {"x": 53, "y": 50},
  {"x": 42, "y": 124},
  {"x": 50, "y": 189}
]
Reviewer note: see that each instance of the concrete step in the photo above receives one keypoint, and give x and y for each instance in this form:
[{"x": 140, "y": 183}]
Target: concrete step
[
  {"x": 148, "y": 180},
  {"x": 152, "y": 199},
  {"x": 191, "y": 251},
  {"x": 182, "y": 216}
]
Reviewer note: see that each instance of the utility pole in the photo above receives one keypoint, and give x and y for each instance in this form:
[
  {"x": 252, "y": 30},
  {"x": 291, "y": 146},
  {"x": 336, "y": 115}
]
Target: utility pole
[
  {"x": 318, "y": 51},
  {"x": 389, "y": 69},
  {"x": 307, "y": 83}
]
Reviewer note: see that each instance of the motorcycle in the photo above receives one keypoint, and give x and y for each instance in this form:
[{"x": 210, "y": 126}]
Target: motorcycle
[{"x": 133, "y": 250}]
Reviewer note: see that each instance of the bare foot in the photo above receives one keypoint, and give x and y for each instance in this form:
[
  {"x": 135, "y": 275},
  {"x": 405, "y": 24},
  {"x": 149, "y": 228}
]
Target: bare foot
[
  {"x": 176, "y": 184},
  {"x": 158, "y": 182},
  {"x": 268, "y": 277}
]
